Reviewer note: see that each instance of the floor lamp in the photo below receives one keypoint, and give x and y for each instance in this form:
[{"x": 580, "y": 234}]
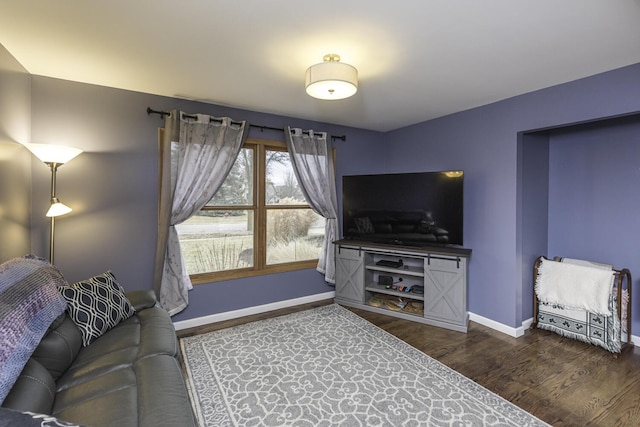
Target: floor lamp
[{"x": 54, "y": 156}]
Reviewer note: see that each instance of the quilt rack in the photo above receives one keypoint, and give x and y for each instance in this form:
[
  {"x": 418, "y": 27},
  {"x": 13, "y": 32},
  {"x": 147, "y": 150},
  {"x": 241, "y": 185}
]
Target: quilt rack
[{"x": 586, "y": 326}]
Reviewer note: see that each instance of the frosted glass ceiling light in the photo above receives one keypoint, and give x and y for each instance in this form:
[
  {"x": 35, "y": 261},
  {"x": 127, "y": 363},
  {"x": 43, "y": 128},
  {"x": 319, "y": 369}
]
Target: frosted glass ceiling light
[
  {"x": 331, "y": 79},
  {"x": 54, "y": 156}
]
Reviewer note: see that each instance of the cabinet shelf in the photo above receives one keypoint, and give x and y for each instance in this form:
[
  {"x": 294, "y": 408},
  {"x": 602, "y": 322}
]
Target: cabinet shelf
[
  {"x": 441, "y": 272},
  {"x": 409, "y": 271},
  {"x": 390, "y": 305},
  {"x": 374, "y": 287}
]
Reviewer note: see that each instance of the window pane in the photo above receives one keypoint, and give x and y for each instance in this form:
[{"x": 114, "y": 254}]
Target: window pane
[
  {"x": 237, "y": 189},
  {"x": 217, "y": 241},
  {"x": 293, "y": 235},
  {"x": 282, "y": 185}
]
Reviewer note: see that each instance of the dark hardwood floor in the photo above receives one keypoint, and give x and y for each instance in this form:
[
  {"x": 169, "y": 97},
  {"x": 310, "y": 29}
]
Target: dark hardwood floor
[{"x": 559, "y": 380}]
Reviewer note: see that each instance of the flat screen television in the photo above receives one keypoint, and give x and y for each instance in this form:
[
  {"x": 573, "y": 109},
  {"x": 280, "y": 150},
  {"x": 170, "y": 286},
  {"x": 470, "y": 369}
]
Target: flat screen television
[{"x": 410, "y": 209}]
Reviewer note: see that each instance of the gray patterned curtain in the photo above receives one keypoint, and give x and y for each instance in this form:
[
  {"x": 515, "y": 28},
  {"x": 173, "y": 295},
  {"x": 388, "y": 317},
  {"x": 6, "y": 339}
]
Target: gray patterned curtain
[
  {"x": 196, "y": 155},
  {"x": 312, "y": 160}
]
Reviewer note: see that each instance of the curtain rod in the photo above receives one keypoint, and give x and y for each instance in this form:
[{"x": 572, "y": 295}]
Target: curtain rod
[{"x": 262, "y": 128}]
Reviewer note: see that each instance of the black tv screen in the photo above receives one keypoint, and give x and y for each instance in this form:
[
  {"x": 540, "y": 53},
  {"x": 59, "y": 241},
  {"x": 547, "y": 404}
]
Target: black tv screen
[{"x": 422, "y": 208}]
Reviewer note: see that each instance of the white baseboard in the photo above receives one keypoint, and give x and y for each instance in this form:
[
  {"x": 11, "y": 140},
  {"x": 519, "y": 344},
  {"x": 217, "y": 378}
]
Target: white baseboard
[
  {"x": 508, "y": 330},
  {"x": 219, "y": 317},
  {"x": 518, "y": 332}
]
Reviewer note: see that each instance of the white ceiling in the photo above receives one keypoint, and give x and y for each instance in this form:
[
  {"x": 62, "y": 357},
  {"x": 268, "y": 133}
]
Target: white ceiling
[{"x": 417, "y": 59}]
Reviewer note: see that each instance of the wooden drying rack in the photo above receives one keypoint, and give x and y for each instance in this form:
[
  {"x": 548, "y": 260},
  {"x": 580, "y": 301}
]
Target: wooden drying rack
[{"x": 619, "y": 277}]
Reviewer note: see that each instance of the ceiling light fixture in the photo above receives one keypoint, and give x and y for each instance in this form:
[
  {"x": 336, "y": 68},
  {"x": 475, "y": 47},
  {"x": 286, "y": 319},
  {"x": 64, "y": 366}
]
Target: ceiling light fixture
[{"x": 331, "y": 79}]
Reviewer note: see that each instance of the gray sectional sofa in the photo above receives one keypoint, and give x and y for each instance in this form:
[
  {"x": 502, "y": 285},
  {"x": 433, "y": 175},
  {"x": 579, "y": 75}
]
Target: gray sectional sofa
[{"x": 129, "y": 374}]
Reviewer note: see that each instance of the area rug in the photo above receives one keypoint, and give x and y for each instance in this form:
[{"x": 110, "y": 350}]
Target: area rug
[{"x": 329, "y": 367}]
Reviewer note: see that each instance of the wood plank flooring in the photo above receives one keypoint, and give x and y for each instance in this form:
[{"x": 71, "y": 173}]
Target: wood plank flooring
[{"x": 559, "y": 380}]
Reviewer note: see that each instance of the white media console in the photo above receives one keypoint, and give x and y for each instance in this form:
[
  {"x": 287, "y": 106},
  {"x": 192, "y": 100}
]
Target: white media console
[{"x": 387, "y": 279}]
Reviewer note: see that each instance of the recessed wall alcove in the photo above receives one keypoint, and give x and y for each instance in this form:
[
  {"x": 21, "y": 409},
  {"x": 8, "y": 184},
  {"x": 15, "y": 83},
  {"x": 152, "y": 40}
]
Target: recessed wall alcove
[{"x": 579, "y": 197}]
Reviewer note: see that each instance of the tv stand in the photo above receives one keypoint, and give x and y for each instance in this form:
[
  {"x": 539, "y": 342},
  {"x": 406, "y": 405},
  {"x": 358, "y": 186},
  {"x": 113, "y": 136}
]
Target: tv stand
[{"x": 362, "y": 281}]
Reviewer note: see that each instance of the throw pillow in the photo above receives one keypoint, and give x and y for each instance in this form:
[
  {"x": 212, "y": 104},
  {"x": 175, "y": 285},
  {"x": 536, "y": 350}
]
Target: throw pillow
[{"x": 96, "y": 305}]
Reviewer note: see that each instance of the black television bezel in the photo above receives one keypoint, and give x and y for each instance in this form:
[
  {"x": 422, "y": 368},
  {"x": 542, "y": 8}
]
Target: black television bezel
[{"x": 437, "y": 178}]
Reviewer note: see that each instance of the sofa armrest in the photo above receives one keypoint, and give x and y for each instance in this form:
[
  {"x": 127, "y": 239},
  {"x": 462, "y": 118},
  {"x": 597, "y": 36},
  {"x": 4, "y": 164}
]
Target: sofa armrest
[{"x": 142, "y": 299}]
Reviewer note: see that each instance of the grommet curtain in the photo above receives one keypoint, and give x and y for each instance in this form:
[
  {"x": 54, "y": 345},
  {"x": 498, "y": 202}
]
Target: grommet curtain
[
  {"x": 196, "y": 154},
  {"x": 312, "y": 159}
]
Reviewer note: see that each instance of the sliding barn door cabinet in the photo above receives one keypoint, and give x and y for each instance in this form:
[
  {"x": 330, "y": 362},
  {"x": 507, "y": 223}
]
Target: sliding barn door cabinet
[{"x": 426, "y": 284}]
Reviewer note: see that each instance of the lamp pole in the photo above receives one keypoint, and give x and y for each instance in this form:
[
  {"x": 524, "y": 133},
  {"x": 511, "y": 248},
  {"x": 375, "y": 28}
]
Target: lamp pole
[{"x": 54, "y": 169}]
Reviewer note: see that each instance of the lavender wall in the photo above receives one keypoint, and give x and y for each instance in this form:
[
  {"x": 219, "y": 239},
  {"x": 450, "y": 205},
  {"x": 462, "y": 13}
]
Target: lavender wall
[
  {"x": 533, "y": 220},
  {"x": 113, "y": 188},
  {"x": 113, "y": 185},
  {"x": 484, "y": 143},
  {"x": 594, "y": 194},
  {"x": 15, "y": 160}
]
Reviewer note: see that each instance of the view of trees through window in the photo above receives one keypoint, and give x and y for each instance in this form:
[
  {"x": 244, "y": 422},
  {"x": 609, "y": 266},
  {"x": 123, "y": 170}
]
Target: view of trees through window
[{"x": 259, "y": 218}]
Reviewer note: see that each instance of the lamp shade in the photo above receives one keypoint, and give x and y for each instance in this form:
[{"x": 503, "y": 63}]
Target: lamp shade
[
  {"x": 49, "y": 153},
  {"x": 331, "y": 79},
  {"x": 57, "y": 208}
]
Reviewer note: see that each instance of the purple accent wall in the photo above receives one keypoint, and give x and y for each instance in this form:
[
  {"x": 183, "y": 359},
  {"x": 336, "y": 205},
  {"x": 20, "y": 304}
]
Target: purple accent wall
[
  {"x": 594, "y": 194},
  {"x": 509, "y": 165},
  {"x": 113, "y": 188},
  {"x": 533, "y": 205},
  {"x": 484, "y": 142}
]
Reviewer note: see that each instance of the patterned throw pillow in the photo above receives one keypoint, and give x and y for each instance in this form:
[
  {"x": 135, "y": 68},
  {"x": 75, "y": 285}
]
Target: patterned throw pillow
[{"x": 96, "y": 305}]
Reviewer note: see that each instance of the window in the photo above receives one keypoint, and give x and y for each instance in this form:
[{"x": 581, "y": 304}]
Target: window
[{"x": 258, "y": 222}]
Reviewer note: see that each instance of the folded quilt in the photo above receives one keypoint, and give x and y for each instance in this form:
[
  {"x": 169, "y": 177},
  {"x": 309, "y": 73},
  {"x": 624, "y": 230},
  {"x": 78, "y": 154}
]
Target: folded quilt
[
  {"x": 586, "y": 263},
  {"x": 575, "y": 286}
]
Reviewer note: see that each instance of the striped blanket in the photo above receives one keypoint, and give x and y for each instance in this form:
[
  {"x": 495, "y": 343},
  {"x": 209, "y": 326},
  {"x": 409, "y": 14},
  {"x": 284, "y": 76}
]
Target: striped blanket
[
  {"x": 579, "y": 314},
  {"x": 29, "y": 303}
]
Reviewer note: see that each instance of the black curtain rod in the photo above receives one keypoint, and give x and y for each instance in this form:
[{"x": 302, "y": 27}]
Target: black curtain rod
[{"x": 262, "y": 128}]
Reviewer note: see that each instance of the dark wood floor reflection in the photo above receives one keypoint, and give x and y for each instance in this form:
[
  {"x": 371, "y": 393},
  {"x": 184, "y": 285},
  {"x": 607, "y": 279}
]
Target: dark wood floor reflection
[{"x": 561, "y": 381}]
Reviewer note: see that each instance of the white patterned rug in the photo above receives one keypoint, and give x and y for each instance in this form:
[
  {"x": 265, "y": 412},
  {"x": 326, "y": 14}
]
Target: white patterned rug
[{"x": 329, "y": 367}]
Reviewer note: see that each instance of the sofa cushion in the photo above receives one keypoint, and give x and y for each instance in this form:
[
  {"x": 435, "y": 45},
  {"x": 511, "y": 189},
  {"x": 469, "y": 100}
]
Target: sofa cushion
[
  {"x": 59, "y": 347},
  {"x": 142, "y": 299},
  {"x": 148, "y": 392},
  {"x": 29, "y": 303},
  {"x": 34, "y": 390},
  {"x": 96, "y": 305},
  {"x": 150, "y": 332}
]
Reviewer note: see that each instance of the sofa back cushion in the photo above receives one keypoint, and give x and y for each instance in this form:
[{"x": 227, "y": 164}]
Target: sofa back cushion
[
  {"x": 33, "y": 391},
  {"x": 59, "y": 347}
]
